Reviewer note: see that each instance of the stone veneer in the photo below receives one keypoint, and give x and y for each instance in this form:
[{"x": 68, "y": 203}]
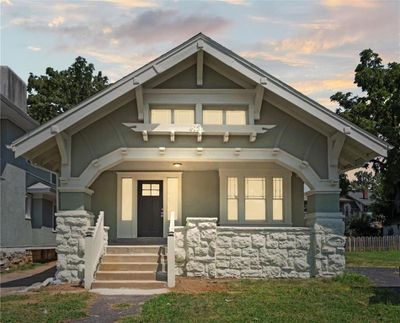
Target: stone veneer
[
  {"x": 204, "y": 249},
  {"x": 72, "y": 227}
]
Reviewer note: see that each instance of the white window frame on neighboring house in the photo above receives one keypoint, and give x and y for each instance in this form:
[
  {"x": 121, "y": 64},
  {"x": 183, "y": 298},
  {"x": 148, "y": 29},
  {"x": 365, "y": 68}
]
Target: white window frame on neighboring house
[
  {"x": 28, "y": 206},
  {"x": 268, "y": 175}
]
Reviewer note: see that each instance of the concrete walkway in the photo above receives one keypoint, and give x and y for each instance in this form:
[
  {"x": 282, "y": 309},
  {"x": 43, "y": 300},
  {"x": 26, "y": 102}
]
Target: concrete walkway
[
  {"x": 109, "y": 309},
  {"x": 380, "y": 277},
  {"x": 19, "y": 280}
]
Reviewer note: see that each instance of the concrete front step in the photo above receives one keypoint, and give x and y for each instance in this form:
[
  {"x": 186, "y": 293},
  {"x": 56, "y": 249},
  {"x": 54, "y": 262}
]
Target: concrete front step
[
  {"x": 133, "y": 258},
  {"x": 131, "y": 266},
  {"x": 157, "y": 250},
  {"x": 140, "y": 284},
  {"x": 125, "y": 275}
]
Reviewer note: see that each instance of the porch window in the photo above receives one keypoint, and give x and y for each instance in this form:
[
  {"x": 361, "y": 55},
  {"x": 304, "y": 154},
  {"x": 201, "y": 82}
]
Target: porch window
[
  {"x": 255, "y": 198},
  {"x": 151, "y": 190},
  {"x": 277, "y": 199},
  {"x": 233, "y": 208},
  {"x": 220, "y": 117},
  {"x": 126, "y": 199},
  {"x": 182, "y": 116}
]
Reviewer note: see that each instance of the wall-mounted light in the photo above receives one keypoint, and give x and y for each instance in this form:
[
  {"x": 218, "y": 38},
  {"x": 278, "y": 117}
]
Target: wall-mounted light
[{"x": 177, "y": 165}]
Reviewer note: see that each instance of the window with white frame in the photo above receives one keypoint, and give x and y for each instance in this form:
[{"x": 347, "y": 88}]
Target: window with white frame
[
  {"x": 28, "y": 206},
  {"x": 220, "y": 117},
  {"x": 277, "y": 199},
  {"x": 181, "y": 115},
  {"x": 255, "y": 198},
  {"x": 233, "y": 199}
]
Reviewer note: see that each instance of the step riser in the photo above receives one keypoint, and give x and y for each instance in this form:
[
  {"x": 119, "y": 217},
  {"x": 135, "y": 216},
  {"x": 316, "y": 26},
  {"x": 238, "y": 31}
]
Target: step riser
[
  {"x": 125, "y": 276},
  {"x": 136, "y": 250},
  {"x": 136, "y": 258},
  {"x": 131, "y": 267},
  {"x": 139, "y": 285}
]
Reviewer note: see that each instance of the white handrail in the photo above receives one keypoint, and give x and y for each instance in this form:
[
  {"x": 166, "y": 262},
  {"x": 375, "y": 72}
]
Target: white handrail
[
  {"x": 171, "y": 251},
  {"x": 95, "y": 246}
]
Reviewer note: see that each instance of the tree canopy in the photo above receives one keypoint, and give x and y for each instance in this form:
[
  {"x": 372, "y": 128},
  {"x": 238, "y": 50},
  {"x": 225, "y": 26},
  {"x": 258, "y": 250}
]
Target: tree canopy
[
  {"x": 377, "y": 110},
  {"x": 58, "y": 91}
]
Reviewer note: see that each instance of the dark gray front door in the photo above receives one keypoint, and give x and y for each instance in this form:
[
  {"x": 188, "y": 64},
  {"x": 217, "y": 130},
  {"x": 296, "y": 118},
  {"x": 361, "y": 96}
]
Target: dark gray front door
[{"x": 150, "y": 208}]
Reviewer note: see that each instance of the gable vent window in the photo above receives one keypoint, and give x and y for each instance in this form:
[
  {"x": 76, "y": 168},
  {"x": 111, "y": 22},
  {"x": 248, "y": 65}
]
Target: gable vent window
[
  {"x": 227, "y": 117},
  {"x": 181, "y": 116}
]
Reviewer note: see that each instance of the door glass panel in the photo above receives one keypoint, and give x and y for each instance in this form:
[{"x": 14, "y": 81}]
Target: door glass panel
[
  {"x": 212, "y": 117},
  {"x": 161, "y": 116},
  {"x": 183, "y": 116},
  {"x": 127, "y": 199},
  {"x": 236, "y": 117}
]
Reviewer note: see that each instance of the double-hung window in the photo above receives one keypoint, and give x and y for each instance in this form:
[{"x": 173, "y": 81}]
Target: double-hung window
[
  {"x": 232, "y": 199},
  {"x": 255, "y": 198},
  {"x": 180, "y": 116}
]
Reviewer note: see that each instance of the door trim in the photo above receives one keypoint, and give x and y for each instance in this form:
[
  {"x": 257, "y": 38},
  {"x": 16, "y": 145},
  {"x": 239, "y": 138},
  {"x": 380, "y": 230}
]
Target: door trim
[{"x": 136, "y": 176}]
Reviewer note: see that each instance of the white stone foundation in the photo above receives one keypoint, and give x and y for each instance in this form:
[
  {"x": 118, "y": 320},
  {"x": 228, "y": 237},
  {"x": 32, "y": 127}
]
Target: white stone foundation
[
  {"x": 71, "y": 231},
  {"x": 203, "y": 249}
]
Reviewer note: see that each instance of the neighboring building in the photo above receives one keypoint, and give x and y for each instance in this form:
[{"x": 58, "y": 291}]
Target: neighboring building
[
  {"x": 28, "y": 198},
  {"x": 201, "y": 135},
  {"x": 356, "y": 203},
  {"x": 391, "y": 229}
]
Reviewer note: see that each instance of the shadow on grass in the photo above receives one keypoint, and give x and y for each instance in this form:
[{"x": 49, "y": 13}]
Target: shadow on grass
[
  {"x": 386, "y": 295},
  {"x": 28, "y": 281}
]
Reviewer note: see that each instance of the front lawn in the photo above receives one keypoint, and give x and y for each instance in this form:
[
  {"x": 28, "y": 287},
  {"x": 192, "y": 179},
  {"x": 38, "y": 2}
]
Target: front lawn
[
  {"x": 346, "y": 299},
  {"x": 43, "y": 306},
  {"x": 373, "y": 259}
]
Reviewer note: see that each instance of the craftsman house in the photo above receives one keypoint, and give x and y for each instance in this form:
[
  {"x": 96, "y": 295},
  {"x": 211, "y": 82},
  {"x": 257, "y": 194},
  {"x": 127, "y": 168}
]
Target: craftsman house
[{"x": 204, "y": 148}]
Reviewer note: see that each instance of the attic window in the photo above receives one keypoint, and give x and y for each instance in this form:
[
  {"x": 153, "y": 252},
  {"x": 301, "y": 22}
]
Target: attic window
[
  {"x": 181, "y": 115},
  {"x": 220, "y": 117}
]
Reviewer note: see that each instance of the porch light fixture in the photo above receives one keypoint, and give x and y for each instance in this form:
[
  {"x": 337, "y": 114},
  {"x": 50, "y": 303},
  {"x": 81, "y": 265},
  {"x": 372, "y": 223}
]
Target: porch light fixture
[{"x": 177, "y": 165}]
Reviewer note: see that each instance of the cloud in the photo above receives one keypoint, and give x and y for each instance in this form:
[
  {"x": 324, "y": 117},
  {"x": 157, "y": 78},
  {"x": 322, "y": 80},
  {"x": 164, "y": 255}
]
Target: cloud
[
  {"x": 161, "y": 25},
  {"x": 265, "y": 55},
  {"x": 55, "y": 22},
  {"x": 236, "y": 2},
  {"x": 34, "y": 49},
  {"x": 316, "y": 86},
  {"x": 351, "y": 3},
  {"x": 131, "y": 3}
]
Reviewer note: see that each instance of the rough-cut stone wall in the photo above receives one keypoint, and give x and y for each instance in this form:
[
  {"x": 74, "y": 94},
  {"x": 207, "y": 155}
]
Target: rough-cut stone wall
[
  {"x": 71, "y": 231},
  {"x": 12, "y": 257},
  {"x": 204, "y": 249}
]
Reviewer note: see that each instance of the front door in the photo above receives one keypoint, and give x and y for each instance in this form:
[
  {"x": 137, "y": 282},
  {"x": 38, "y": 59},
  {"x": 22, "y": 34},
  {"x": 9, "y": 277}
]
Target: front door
[{"x": 150, "y": 208}]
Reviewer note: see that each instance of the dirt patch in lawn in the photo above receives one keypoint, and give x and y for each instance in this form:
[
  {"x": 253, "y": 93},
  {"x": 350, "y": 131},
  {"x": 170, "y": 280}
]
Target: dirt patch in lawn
[{"x": 199, "y": 285}]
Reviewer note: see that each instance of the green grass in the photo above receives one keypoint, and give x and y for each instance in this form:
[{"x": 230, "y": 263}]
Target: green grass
[
  {"x": 121, "y": 306},
  {"x": 349, "y": 298},
  {"x": 22, "y": 267},
  {"x": 43, "y": 307},
  {"x": 373, "y": 259}
]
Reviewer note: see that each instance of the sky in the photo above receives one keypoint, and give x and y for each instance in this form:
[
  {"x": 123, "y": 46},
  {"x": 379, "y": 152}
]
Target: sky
[{"x": 311, "y": 45}]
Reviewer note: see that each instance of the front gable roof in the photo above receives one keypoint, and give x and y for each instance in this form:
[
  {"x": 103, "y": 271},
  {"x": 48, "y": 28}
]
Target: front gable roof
[{"x": 273, "y": 89}]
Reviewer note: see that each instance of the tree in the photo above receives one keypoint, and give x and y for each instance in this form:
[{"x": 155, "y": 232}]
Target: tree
[
  {"x": 58, "y": 91},
  {"x": 344, "y": 184},
  {"x": 364, "y": 180},
  {"x": 378, "y": 111}
]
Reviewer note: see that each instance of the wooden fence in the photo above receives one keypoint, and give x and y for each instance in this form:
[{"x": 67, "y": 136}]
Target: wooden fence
[{"x": 373, "y": 243}]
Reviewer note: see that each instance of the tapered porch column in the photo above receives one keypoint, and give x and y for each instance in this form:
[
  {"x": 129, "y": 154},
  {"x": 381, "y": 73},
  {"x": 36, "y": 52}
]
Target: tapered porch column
[
  {"x": 73, "y": 220},
  {"x": 327, "y": 233}
]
